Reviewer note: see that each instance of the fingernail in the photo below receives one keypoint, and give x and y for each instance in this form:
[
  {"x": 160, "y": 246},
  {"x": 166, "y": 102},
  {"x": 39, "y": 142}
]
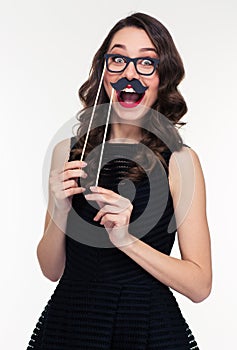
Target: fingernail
[
  {"x": 84, "y": 163},
  {"x": 93, "y": 188}
]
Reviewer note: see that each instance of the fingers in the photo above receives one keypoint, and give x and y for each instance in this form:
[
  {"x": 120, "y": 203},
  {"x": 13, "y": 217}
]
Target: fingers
[
  {"x": 97, "y": 197},
  {"x": 103, "y": 195},
  {"x": 69, "y": 192},
  {"x": 114, "y": 203},
  {"x": 74, "y": 190},
  {"x": 109, "y": 209},
  {"x": 109, "y": 220},
  {"x": 64, "y": 182},
  {"x": 105, "y": 192},
  {"x": 113, "y": 220},
  {"x": 57, "y": 186},
  {"x": 69, "y": 183},
  {"x": 68, "y": 174},
  {"x": 69, "y": 171},
  {"x": 99, "y": 189},
  {"x": 73, "y": 165}
]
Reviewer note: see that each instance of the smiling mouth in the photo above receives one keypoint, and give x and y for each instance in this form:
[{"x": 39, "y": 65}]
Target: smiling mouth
[{"x": 129, "y": 98}]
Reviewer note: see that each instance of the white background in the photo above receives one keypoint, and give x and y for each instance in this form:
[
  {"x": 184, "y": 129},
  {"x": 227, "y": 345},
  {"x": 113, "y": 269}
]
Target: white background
[{"x": 46, "y": 52}]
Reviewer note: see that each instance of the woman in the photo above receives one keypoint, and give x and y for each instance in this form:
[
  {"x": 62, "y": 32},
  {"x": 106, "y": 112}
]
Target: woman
[{"x": 114, "y": 266}]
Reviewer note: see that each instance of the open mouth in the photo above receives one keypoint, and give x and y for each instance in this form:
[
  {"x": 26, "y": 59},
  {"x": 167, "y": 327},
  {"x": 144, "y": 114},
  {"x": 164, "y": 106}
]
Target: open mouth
[{"x": 129, "y": 98}]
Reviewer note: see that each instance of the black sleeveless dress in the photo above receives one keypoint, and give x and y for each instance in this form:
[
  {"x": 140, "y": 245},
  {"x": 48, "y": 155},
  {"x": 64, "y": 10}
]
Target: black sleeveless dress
[{"x": 104, "y": 300}]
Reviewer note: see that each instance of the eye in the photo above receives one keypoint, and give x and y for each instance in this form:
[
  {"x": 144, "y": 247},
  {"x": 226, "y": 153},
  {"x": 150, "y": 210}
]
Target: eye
[
  {"x": 119, "y": 59},
  {"x": 146, "y": 62}
]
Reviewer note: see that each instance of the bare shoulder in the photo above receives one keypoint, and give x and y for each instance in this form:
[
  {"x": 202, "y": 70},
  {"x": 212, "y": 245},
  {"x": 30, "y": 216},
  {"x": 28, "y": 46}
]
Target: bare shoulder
[
  {"x": 184, "y": 165},
  {"x": 186, "y": 153}
]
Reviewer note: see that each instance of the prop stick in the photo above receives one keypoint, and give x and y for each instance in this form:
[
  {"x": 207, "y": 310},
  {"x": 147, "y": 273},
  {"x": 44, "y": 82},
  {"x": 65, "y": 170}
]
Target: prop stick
[
  {"x": 105, "y": 133},
  {"x": 92, "y": 114}
]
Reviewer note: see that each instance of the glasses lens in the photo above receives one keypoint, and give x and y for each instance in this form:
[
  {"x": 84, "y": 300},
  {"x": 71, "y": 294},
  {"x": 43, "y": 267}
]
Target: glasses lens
[
  {"x": 145, "y": 66},
  {"x": 116, "y": 63}
]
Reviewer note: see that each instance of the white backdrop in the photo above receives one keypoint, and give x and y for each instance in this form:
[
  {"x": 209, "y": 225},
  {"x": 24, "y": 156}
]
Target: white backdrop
[{"x": 46, "y": 52}]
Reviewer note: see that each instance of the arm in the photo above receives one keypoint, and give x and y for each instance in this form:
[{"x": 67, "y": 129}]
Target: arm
[
  {"x": 192, "y": 274},
  {"x": 51, "y": 248}
]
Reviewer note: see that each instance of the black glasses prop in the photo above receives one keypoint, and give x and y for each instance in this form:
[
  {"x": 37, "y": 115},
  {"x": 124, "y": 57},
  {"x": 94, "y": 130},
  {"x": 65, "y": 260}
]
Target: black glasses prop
[{"x": 143, "y": 65}]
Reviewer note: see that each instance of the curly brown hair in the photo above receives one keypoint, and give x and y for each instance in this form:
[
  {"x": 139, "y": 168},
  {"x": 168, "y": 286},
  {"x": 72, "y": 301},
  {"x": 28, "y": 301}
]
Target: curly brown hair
[{"x": 169, "y": 102}]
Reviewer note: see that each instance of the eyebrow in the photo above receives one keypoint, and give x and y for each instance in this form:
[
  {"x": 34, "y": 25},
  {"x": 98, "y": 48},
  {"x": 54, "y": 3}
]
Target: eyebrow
[{"x": 141, "y": 50}]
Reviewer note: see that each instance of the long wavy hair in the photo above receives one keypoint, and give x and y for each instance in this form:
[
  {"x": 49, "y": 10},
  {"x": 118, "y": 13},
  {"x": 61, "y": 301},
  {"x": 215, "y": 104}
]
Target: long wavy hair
[{"x": 169, "y": 102}]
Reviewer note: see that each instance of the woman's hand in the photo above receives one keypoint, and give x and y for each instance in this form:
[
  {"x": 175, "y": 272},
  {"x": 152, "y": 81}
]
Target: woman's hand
[
  {"x": 114, "y": 214},
  {"x": 63, "y": 184}
]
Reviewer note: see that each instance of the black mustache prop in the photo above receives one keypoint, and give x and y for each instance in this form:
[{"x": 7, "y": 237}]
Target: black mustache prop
[{"x": 136, "y": 85}]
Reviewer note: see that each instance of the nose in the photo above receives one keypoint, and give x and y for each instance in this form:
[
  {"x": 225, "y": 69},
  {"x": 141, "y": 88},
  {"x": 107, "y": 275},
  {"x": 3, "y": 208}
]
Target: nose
[{"x": 130, "y": 72}]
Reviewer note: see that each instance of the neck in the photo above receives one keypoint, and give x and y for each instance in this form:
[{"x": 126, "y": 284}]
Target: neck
[{"x": 125, "y": 133}]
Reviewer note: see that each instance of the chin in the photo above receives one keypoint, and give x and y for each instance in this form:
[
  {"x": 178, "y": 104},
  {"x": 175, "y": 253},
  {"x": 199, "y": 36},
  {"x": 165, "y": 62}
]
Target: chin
[{"x": 129, "y": 114}]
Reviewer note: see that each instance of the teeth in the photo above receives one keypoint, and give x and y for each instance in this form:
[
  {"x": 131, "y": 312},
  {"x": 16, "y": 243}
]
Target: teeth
[{"x": 129, "y": 90}]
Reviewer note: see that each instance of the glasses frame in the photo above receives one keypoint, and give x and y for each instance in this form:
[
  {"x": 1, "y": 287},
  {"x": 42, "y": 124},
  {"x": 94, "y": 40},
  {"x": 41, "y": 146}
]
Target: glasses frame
[{"x": 156, "y": 62}]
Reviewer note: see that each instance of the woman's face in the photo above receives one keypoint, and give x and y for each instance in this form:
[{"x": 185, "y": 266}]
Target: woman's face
[{"x": 132, "y": 42}]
